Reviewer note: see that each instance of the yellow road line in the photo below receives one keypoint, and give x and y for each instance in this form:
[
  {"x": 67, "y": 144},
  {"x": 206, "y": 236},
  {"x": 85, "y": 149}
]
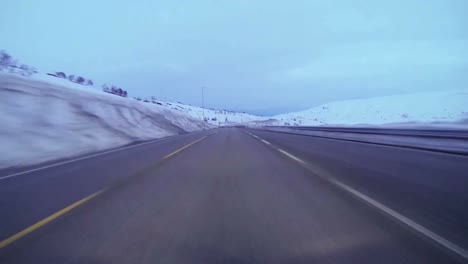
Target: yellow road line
[
  {"x": 65, "y": 210},
  {"x": 182, "y": 148},
  {"x": 48, "y": 219}
]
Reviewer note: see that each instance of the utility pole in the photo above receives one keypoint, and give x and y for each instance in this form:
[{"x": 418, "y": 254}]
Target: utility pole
[{"x": 203, "y": 101}]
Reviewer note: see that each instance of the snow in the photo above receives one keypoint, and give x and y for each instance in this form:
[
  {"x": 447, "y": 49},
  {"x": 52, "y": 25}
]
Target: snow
[
  {"x": 216, "y": 117},
  {"x": 44, "y": 118},
  {"x": 444, "y": 107}
]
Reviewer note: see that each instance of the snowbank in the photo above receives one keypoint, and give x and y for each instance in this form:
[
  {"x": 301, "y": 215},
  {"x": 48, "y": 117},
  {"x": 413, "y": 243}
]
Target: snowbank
[
  {"x": 42, "y": 121},
  {"x": 431, "y": 107}
]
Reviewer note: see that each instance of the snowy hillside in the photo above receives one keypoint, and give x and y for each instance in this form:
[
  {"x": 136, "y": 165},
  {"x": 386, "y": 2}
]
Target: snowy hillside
[
  {"x": 215, "y": 117},
  {"x": 430, "y": 107},
  {"x": 212, "y": 116},
  {"x": 42, "y": 121}
]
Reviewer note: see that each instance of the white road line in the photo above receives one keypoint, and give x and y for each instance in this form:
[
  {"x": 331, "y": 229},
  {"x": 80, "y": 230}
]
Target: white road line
[
  {"x": 390, "y": 212},
  {"x": 405, "y": 220},
  {"x": 78, "y": 159},
  {"x": 264, "y": 141},
  {"x": 445, "y": 243},
  {"x": 291, "y": 156},
  {"x": 252, "y": 135}
]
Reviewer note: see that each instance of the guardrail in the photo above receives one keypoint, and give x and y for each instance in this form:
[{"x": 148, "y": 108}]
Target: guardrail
[
  {"x": 427, "y": 133},
  {"x": 439, "y": 140}
]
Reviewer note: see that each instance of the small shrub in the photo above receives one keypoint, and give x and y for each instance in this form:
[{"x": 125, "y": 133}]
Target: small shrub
[
  {"x": 80, "y": 80},
  {"x": 5, "y": 59},
  {"x": 61, "y": 75}
]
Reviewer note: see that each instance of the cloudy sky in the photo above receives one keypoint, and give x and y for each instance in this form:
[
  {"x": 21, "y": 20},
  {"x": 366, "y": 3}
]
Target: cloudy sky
[{"x": 261, "y": 56}]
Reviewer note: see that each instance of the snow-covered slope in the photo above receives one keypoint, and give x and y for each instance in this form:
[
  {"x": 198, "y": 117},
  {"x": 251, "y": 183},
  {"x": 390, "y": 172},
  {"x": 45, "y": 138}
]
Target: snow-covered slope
[
  {"x": 430, "y": 107},
  {"x": 41, "y": 121},
  {"x": 215, "y": 117}
]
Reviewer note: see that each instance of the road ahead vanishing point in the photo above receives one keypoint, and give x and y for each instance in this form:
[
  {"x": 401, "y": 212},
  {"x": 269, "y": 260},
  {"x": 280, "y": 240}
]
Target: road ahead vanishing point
[{"x": 240, "y": 196}]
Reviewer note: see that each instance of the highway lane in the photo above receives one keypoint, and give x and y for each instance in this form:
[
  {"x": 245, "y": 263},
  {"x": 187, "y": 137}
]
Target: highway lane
[
  {"x": 428, "y": 187},
  {"x": 27, "y": 198},
  {"x": 226, "y": 199}
]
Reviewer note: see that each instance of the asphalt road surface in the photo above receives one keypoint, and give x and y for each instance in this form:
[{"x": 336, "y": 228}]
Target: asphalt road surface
[{"x": 224, "y": 196}]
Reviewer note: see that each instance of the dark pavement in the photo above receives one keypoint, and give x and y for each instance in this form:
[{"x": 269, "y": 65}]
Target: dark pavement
[
  {"x": 231, "y": 199},
  {"x": 428, "y": 187}
]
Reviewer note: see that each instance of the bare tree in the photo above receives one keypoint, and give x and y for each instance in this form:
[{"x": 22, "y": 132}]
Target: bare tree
[
  {"x": 89, "y": 83},
  {"x": 71, "y": 78}
]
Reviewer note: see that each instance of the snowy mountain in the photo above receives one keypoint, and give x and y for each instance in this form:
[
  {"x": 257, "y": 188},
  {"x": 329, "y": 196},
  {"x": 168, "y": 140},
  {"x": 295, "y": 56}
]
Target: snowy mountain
[{"x": 430, "y": 107}]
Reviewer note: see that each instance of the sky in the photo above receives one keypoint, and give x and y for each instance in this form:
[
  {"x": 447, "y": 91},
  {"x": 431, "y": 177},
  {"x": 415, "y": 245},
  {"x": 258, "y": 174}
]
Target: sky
[{"x": 259, "y": 56}]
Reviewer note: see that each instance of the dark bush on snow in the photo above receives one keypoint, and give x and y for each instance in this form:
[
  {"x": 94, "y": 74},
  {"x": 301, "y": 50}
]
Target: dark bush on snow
[
  {"x": 7, "y": 62},
  {"x": 80, "y": 80},
  {"x": 5, "y": 59},
  {"x": 61, "y": 75},
  {"x": 114, "y": 90}
]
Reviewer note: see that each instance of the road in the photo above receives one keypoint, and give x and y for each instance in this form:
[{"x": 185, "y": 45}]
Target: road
[{"x": 224, "y": 196}]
